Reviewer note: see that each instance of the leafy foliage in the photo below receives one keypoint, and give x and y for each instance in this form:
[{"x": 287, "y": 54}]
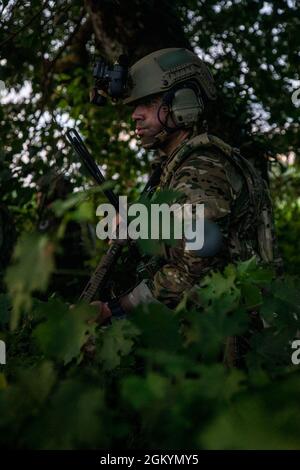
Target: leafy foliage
[
  {"x": 34, "y": 263},
  {"x": 156, "y": 379}
]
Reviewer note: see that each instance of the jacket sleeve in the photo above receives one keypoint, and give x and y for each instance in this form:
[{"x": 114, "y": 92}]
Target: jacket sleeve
[{"x": 202, "y": 179}]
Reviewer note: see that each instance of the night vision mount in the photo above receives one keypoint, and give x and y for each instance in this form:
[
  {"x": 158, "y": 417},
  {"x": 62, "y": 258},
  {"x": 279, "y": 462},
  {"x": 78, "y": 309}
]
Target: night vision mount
[{"x": 110, "y": 81}]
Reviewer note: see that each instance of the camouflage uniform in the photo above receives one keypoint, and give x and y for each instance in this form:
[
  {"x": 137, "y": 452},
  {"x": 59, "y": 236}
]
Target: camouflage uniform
[
  {"x": 204, "y": 169},
  {"x": 208, "y": 171}
]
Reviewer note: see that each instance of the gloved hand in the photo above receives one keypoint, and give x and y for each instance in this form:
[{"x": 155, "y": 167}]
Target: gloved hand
[
  {"x": 140, "y": 294},
  {"x": 103, "y": 312}
]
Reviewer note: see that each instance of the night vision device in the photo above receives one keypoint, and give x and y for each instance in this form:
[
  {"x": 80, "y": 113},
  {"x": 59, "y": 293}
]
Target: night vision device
[{"x": 110, "y": 80}]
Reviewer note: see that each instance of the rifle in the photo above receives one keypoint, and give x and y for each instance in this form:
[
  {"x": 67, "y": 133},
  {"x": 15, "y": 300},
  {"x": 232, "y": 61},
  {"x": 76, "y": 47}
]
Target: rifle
[
  {"x": 89, "y": 163},
  {"x": 100, "y": 276}
]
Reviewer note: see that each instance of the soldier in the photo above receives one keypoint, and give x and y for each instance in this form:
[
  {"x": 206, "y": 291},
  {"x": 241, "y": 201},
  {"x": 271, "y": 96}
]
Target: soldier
[{"x": 170, "y": 91}]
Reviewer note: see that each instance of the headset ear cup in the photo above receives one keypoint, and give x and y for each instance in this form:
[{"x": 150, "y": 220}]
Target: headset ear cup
[{"x": 187, "y": 106}]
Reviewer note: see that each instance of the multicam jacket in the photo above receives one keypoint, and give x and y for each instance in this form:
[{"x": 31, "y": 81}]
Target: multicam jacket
[{"x": 208, "y": 171}]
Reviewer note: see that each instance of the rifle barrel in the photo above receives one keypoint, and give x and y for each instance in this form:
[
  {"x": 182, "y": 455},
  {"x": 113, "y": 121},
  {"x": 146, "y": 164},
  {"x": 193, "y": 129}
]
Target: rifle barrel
[{"x": 90, "y": 164}]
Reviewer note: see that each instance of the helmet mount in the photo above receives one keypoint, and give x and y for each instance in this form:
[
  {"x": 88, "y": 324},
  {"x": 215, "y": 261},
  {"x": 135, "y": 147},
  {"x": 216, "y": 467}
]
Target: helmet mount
[{"x": 179, "y": 75}]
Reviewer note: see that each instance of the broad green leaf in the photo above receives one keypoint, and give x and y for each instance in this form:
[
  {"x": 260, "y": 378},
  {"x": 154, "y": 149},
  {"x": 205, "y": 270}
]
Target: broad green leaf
[
  {"x": 252, "y": 296},
  {"x": 38, "y": 381},
  {"x": 265, "y": 420},
  {"x": 65, "y": 330},
  {"x": 141, "y": 393},
  {"x": 116, "y": 342},
  {"x": 76, "y": 413},
  {"x": 33, "y": 264},
  {"x": 159, "y": 327},
  {"x": 218, "y": 290},
  {"x": 205, "y": 333},
  {"x": 251, "y": 271}
]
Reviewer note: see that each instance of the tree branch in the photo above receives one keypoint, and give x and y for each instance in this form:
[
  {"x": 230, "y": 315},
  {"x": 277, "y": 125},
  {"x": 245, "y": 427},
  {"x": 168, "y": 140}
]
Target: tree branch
[
  {"x": 67, "y": 42},
  {"x": 16, "y": 33}
]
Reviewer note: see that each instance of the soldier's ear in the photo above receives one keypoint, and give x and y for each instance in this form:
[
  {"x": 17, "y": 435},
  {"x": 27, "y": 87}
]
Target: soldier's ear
[{"x": 168, "y": 98}]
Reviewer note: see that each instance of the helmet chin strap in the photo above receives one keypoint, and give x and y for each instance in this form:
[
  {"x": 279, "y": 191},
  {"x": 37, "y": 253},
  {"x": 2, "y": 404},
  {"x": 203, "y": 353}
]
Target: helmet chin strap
[
  {"x": 157, "y": 140},
  {"x": 162, "y": 136}
]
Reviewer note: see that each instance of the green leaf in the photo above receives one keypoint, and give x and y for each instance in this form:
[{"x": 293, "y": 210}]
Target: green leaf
[
  {"x": 62, "y": 206},
  {"x": 141, "y": 393},
  {"x": 218, "y": 291},
  {"x": 116, "y": 342},
  {"x": 206, "y": 332},
  {"x": 250, "y": 271},
  {"x": 165, "y": 196},
  {"x": 159, "y": 327},
  {"x": 271, "y": 350},
  {"x": 65, "y": 331},
  {"x": 265, "y": 419},
  {"x": 38, "y": 381},
  {"x": 76, "y": 413},
  {"x": 252, "y": 296},
  {"x": 33, "y": 264},
  {"x": 151, "y": 247}
]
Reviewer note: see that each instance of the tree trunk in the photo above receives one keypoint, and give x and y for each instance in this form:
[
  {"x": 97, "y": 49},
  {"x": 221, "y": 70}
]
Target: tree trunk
[{"x": 135, "y": 27}]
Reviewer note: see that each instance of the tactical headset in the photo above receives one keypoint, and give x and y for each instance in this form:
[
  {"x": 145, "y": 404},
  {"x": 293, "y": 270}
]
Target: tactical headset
[{"x": 185, "y": 105}]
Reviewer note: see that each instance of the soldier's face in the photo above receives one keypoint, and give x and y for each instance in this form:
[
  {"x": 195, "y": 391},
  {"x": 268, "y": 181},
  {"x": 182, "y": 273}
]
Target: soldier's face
[{"x": 147, "y": 115}]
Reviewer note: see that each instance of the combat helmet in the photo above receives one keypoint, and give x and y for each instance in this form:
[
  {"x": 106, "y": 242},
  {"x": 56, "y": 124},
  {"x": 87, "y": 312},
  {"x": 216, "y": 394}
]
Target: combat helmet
[{"x": 180, "y": 75}]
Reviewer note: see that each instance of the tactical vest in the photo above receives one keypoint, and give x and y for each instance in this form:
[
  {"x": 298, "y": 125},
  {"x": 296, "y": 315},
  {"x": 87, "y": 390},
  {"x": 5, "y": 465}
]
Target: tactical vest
[{"x": 259, "y": 210}]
